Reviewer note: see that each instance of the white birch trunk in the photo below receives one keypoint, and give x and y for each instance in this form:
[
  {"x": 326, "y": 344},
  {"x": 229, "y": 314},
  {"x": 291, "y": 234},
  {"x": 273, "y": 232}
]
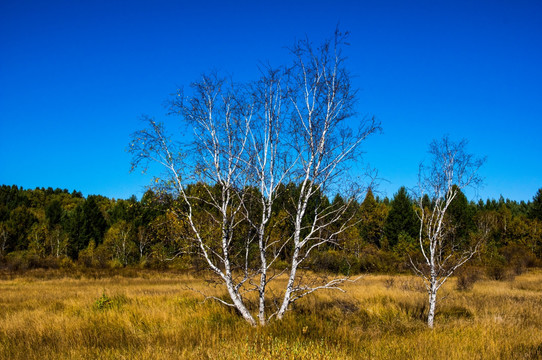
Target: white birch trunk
[
  {"x": 432, "y": 302},
  {"x": 294, "y": 262},
  {"x": 263, "y": 278},
  {"x": 238, "y": 302},
  {"x": 290, "y": 285}
]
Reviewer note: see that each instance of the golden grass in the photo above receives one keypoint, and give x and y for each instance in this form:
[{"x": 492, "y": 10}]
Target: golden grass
[{"x": 154, "y": 316}]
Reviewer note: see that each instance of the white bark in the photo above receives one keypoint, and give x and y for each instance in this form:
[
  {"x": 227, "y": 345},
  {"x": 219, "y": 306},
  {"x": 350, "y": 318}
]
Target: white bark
[
  {"x": 289, "y": 130},
  {"x": 450, "y": 171},
  {"x": 432, "y": 305},
  {"x": 142, "y": 241},
  {"x": 321, "y": 100}
]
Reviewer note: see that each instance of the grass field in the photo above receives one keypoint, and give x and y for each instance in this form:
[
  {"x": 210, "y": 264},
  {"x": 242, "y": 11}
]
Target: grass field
[{"x": 152, "y": 315}]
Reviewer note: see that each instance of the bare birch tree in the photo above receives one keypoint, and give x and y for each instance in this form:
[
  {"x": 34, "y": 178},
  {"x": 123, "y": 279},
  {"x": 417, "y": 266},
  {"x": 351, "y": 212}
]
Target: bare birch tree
[
  {"x": 250, "y": 143},
  {"x": 324, "y": 144},
  {"x": 220, "y": 125},
  {"x": 450, "y": 170}
]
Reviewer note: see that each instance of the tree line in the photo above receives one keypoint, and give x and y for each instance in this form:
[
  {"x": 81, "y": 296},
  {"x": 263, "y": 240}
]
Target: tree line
[{"x": 54, "y": 228}]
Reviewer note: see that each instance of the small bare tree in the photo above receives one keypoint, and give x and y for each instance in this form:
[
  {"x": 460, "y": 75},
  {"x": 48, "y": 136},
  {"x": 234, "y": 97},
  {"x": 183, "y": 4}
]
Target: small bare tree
[
  {"x": 252, "y": 142},
  {"x": 451, "y": 169}
]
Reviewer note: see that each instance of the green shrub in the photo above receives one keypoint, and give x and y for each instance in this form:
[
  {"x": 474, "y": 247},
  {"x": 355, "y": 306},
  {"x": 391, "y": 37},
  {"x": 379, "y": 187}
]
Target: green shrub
[
  {"x": 103, "y": 302},
  {"x": 331, "y": 261}
]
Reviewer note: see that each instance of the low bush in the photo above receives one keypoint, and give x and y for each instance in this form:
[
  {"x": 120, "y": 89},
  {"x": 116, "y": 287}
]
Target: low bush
[{"x": 466, "y": 277}]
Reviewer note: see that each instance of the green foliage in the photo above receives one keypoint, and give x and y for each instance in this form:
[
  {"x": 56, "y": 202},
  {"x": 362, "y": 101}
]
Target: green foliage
[
  {"x": 52, "y": 228},
  {"x": 332, "y": 261},
  {"x": 103, "y": 302},
  {"x": 19, "y": 224},
  {"x": 86, "y": 222},
  {"x": 372, "y": 216},
  {"x": 119, "y": 243},
  {"x": 405, "y": 248},
  {"x": 54, "y": 212},
  {"x": 94, "y": 223},
  {"x": 12, "y": 197},
  {"x": 461, "y": 214},
  {"x": 535, "y": 208},
  {"x": 401, "y": 218}
]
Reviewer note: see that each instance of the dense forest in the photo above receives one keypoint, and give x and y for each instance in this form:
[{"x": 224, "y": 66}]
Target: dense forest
[{"x": 55, "y": 228}]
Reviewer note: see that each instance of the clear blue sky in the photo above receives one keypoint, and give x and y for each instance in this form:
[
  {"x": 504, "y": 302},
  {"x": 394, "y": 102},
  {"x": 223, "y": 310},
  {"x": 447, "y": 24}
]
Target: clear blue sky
[{"x": 76, "y": 76}]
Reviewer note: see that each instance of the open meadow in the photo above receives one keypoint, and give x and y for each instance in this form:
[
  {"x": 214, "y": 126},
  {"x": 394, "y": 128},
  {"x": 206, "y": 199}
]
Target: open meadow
[{"x": 152, "y": 315}]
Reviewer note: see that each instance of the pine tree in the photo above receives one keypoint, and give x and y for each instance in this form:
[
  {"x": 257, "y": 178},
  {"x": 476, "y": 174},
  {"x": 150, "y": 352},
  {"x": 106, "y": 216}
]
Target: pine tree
[
  {"x": 401, "y": 218},
  {"x": 86, "y": 223},
  {"x": 461, "y": 214},
  {"x": 372, "y": 216},
  {"x": 94, "y": 224},
  {"x": 53, "y": 212},
  {"x": 535, "y": 210}
]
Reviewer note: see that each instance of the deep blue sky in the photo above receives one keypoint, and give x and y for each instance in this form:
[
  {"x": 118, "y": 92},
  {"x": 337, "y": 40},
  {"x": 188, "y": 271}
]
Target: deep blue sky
[{"x": 75, "y": 77}]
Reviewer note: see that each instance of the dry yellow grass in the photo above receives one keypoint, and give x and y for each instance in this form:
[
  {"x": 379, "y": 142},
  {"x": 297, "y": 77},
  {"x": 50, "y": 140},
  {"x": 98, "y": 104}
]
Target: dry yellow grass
[{"x": 155, "y": 316}]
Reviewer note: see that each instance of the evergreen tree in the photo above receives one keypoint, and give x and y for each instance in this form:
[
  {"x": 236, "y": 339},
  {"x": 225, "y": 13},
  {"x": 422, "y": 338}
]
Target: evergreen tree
[
  {"x": 53, "y": 213},
  {"x": 12, "y": 197},
  {"x": 94, "y": 224},
  {"x": 74, "y": 224},
  {"x": 401, "y": 218},
  {"x": 20, "y": 222},
  {"x": 372, "y": 216},
  {"x": 86, "y": 223},
  {"x": 461, "y": 214},
  {"x": 535, "y": 210}
]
